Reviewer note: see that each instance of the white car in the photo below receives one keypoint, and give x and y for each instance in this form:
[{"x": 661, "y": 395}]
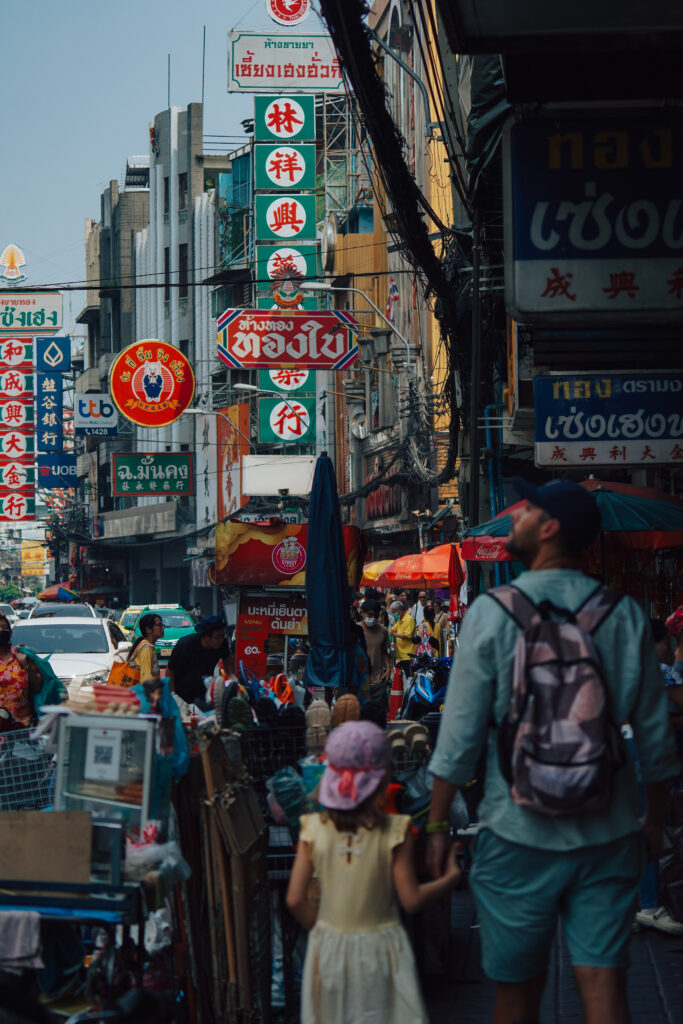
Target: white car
[
  {"x": 55, "y": 609},
  {"x": 80, "y": 650},
  {"x": 8, "y": 611}
]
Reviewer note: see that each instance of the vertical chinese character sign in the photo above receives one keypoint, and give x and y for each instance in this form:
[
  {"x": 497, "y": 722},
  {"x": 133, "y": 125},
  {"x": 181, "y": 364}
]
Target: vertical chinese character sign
[
  {"x": 17, "y": 478},
  {"x": 284, "y": 183}
]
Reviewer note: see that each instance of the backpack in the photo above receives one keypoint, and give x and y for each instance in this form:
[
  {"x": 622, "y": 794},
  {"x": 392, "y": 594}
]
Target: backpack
[{"x": 558, "y": 746}]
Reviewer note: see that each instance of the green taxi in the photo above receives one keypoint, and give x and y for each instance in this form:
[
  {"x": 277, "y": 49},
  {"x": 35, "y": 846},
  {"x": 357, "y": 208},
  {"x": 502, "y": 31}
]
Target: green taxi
[{"x": 177, "y": 623}]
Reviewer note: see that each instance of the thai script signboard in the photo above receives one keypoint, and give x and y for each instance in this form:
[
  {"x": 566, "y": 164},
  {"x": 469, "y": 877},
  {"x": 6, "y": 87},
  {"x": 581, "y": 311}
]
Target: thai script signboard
[
  {"x": 168, "y": 473},
  {"x": 35, "y": 312},
  {"x": 271, "y": 61},
  {"x": 608, "y": 419},
  {"x": 152, "y": 383},
  {"x": 255, "y": 339},
  {"x": 593, "y": 217}
]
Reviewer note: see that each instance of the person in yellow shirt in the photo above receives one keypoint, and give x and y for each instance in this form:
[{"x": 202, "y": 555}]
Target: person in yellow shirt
[
  {"x": 143, "y": 654},
  {"x": 403, "y": 631}
]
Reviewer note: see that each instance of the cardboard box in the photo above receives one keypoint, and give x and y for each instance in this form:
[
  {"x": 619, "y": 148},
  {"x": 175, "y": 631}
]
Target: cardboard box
[{"x": 45, "y": 846}]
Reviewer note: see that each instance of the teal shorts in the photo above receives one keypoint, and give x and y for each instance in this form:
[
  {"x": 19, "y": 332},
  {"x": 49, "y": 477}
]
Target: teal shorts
[{"x": 521, "y": 892}]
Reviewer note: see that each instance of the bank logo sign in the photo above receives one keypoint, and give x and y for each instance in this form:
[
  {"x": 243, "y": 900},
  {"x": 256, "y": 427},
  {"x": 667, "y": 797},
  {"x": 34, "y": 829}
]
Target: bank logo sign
[{"x": 95, "y": 416}]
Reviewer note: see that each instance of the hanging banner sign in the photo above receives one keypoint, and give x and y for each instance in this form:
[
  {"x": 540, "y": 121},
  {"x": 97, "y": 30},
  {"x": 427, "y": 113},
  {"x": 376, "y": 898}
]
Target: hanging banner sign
[
  {"x": 608, "y": 419},
  {"x": 290, "y": 420},
  {"x": 284, "y": 118},
  {"x": 17, "y": 476},
  {"x": 50, "y": 412},
  {"x": 269, "y": 62},
  {"x": 251, "y": 339},
  {"x": 16, "y": 508},
  {"x": 284, "y": 167},
  {"x": 17, "y": 385},
  {"x": 152, "y": 473},
  {"x": 37, "y": 312},
  {"x": 16, "y": 354},
  {"x": 16, "y": 445},
  {"x": 592, "y": 217},
  {"x": 95, "y": 416},
  {"x": 16, "y": 414},
  {"x": 152, "y": 383},
  {"x": 282, "y": 218}
]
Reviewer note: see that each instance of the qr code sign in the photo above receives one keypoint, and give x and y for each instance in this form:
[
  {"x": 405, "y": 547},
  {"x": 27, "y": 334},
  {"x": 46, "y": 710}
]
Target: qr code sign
[{"x": 103, "y": 754}]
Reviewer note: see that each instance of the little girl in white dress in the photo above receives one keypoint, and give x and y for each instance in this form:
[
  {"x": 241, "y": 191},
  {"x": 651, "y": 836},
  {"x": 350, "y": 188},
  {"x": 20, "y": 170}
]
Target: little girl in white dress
[{"x": 359, "y": 966}]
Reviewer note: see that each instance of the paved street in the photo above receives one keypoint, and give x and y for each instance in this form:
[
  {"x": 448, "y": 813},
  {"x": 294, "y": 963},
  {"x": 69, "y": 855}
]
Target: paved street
[{"x": 655, "y": 979}]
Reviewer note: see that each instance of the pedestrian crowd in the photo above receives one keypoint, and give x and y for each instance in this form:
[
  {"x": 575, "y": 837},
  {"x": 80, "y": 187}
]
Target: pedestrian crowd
[{"x": 564, "y": 701}]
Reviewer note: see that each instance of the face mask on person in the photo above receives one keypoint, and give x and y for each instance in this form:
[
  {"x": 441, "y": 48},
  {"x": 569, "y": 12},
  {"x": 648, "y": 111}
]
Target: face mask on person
[
  {"x": 5, "y": 635},
  {"x": 370, "y": 622}
]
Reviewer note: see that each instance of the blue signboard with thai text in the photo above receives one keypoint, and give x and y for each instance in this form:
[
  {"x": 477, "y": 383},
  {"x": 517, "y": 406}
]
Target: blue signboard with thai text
[
  {"x": 594, "y": 216},
  {"x": 608, "y": 419}
]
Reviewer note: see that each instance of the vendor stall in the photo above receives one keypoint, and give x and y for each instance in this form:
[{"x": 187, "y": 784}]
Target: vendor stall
[{"x": 265, "y": 565}]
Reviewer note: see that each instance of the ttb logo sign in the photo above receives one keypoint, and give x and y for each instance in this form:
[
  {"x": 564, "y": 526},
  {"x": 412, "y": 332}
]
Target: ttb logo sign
[{"x": 95, "y": 416}]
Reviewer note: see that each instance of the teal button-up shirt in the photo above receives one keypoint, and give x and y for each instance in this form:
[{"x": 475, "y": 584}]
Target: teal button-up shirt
[{"x": 479, "y": 693}]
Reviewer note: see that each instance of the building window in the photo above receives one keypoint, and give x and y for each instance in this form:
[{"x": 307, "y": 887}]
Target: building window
[
  {"x": 184, "y": 346},
  {"x": 182, "y": 191},
  {"x": 182, "y": 270},
  {"x": 167, "y": 196},
  {"x": 167, "y": 274}
]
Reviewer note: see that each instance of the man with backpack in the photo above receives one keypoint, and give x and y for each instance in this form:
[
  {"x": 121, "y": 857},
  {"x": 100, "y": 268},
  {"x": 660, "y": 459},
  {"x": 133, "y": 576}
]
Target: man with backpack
[{"x": 546, "y": 673}]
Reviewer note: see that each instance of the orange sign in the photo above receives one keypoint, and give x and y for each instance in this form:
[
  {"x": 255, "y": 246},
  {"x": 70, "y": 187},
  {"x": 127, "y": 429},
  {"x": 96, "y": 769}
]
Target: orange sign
[
  {"x": 152, "y": 383},
  {"x": 233, "y": 422}
]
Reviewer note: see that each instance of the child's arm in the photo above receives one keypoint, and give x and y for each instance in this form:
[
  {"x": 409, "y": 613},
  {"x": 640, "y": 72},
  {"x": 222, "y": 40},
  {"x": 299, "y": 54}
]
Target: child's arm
[
  {"x": 414, "y": 897},
  {"x": 297, "y": 893}
]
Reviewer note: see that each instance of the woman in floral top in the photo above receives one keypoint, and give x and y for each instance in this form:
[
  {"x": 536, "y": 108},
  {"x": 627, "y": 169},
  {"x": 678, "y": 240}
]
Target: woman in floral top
[{"x": 19, "y": 678}]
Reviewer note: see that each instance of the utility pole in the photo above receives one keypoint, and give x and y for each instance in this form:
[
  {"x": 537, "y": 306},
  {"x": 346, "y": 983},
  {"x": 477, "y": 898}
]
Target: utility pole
[{"x": 473, "y": 574}]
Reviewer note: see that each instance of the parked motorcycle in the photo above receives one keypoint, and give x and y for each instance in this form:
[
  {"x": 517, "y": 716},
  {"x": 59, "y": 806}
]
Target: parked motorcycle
[{"x": 427, "y": 689}]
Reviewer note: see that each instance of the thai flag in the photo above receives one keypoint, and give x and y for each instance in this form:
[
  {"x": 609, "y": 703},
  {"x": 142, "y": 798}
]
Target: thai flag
[{"x": 392, "y": 297}]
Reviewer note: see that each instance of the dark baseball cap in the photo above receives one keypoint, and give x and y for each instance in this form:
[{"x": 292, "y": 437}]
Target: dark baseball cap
[{"x": 571, "y": 504}]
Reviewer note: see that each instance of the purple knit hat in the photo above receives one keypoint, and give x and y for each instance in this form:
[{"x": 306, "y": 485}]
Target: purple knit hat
[{"x": 358, "y": 755}]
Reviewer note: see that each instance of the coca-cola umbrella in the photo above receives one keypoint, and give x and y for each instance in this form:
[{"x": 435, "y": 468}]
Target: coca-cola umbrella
[{"x": 639, "y": 517}]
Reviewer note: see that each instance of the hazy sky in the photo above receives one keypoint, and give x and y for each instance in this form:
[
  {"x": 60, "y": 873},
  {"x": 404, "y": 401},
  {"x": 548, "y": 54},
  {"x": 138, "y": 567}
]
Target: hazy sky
[{"x": 82, "y": 81}]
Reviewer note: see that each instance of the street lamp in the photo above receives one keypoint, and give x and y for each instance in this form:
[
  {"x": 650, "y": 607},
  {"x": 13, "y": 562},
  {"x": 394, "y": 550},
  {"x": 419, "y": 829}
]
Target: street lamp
[
  {"x": 217, "y": 412},
  {"x": 254, "y": 390},
  {"x": 323, "y": 286}
]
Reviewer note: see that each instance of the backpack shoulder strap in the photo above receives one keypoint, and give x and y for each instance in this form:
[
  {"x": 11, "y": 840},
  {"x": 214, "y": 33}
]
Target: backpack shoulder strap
[
  {"x": 519, "y": 607},
  {"x": 600, "y": 603}
]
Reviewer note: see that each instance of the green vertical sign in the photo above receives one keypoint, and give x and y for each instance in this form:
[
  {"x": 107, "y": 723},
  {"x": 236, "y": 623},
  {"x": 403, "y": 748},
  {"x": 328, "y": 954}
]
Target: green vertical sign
[
  {"x": 284, "y": 118},
  {"x": 284, "y": 167}
]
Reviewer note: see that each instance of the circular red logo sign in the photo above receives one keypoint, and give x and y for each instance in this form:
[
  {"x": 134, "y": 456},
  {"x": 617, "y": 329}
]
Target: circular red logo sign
[
  {"x": 152, "y": 383},
  {"x": 289, "y": 556},
  {"x": 288, "y": 12}
]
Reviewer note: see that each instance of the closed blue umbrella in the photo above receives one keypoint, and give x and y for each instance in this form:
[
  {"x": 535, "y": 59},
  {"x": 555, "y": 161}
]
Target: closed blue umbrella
[{"x": 327, "y": 583}]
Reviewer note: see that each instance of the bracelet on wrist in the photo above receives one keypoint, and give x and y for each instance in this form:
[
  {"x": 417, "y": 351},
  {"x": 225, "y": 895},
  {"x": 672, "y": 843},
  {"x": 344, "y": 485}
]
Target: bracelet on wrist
[{"x": 435, "y": 828}]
